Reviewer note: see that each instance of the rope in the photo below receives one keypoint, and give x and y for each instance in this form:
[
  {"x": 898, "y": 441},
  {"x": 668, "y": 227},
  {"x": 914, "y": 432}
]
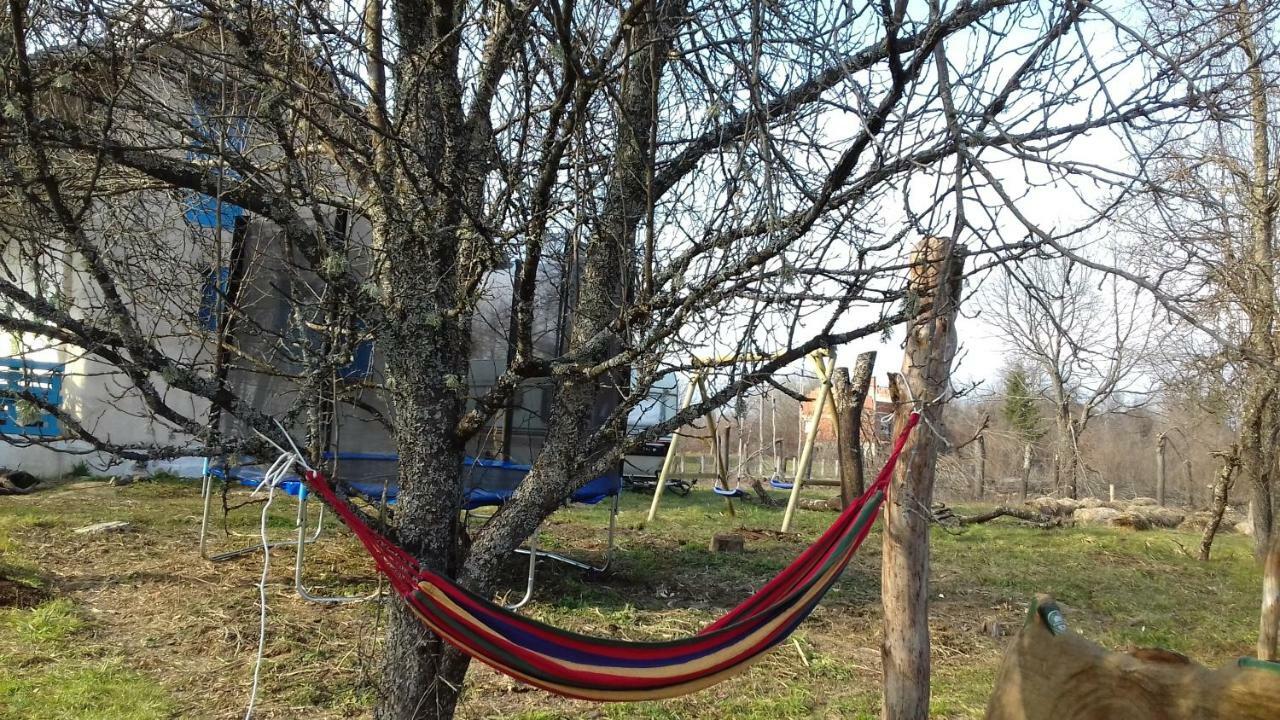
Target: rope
[{"x": 278, "y": 470}]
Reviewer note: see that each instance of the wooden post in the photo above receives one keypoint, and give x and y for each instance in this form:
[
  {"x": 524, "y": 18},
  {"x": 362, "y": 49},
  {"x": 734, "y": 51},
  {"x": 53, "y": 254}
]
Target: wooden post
[
  {"x": 671, "y": 453},
  {"x": 980, "y": 469},
  {"x": 811, "y": 434},
  {"x": 1026, "y": 469},
  {"x": 934, "y": 283},
  {"x": 1161, "y": 440}
]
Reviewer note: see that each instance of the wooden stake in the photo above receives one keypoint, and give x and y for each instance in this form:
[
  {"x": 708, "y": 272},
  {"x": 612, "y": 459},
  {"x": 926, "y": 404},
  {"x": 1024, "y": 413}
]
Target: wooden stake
[
  {"x": 934, "y": 283},
  {"x": 811, "y": 435},
  {"x": 721, "y": 462},
  {"x": 671, "y": 453}
]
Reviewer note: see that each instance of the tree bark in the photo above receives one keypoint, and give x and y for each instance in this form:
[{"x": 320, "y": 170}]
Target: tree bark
[
  {"x": 863, "y": 369},
  {"x": 420, "y": 674},
  {"x": 926, "y": 371}
]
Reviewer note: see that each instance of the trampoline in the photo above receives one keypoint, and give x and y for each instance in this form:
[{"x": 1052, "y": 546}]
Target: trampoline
[{"x": 486, "y": 483}]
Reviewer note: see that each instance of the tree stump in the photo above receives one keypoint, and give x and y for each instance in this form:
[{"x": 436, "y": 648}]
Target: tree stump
[{"x": 727, "y": 543}]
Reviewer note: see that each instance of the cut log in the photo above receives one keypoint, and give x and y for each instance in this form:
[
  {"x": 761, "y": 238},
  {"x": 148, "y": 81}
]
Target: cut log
[{"x": 1050, "y": 674}]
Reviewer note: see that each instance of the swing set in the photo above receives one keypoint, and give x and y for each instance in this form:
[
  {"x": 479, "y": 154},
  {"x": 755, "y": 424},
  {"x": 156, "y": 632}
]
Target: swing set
[{"x": 824, "y": 363}]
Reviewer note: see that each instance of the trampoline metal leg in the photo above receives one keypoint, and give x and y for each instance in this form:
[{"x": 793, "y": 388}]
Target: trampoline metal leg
[
  {"x": 533, "y": 567},
  {"x": 206, "y": 493},
  {"x": 300, "y": 560},
  {"x": 207, "y": 502},
  {"x": 608, "y": 553}
]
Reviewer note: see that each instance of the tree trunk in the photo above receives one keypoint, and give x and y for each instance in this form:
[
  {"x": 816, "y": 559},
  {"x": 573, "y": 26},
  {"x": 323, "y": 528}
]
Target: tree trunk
[
  {"x": 1026, "y": 470},
  {"x": 980, "y": 469},
  {"x": 428, "y": 342},
  {"x": 846, "y": 432},
  {"x": 926, "y": 371},
  {"x": 1062, "y": 443},
  {"x": 1259, "y": 422},
  {"x": 1191, "y": 487},
  {"x": 420, "y": 674},
  {"x": 1070, "y": 461},
  {"x": 1161, "y": 441},
  {"x": 1221, "y": 491},
  {"x": 849, "y": 395},
  {"x": 578, "y": 405}
]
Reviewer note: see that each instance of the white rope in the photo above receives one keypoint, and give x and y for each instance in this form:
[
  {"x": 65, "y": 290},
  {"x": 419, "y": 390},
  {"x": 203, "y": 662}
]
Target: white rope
[{"x": 277, "y": 472}]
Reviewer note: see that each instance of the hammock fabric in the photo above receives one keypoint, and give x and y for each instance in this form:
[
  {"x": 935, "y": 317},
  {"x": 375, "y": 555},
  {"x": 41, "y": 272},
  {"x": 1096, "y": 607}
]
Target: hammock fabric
[{"x": 606, "y": 670}]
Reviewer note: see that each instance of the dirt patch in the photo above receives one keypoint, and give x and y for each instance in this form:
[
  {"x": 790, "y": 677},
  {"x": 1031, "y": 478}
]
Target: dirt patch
[{"x": 14, "y": 594}]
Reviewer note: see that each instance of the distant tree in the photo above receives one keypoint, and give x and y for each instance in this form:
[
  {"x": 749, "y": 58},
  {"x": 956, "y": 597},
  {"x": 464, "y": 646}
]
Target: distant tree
[
  {"x": 1019, "y": 406},
  {"x": 1205, "y": 227},
  {"x": 1084, "y": 334}
]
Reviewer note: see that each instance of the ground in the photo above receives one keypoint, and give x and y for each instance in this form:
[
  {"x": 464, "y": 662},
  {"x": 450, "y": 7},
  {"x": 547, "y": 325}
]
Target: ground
[{"x": 133, "y": 624}]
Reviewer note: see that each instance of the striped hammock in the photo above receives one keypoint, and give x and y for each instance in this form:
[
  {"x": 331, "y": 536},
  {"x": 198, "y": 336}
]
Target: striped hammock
[{"x": 606, "y": 670}]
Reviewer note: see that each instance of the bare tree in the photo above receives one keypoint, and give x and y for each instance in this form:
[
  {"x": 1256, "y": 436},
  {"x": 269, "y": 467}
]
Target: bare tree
[
  {"x": 1088, "y": 342},
  {"x": 677, "y": 176},
  {"x": 1206, "y": 224}
]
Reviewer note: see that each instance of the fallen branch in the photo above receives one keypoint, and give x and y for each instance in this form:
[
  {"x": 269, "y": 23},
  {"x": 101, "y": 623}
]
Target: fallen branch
[{"x": 1030, "y": 517}]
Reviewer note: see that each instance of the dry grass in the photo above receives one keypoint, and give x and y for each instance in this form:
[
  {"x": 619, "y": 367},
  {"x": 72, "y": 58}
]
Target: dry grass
[{"x": 148, "y": 614}]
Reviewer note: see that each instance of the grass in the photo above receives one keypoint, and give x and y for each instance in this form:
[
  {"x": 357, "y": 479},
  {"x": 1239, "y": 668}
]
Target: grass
[
  {"x": 46, "y": 672},
  {"x": 136, "y": 626}
]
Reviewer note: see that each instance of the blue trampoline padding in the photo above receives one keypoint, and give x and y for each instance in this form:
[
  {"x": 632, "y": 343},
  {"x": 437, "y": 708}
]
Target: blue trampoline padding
[
  {"x": 476, "y": 496},
  {"x": 603, "y": 487}
]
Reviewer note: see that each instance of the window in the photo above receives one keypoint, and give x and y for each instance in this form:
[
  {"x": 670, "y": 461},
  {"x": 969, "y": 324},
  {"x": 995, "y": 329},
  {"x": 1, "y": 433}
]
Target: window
[
  {"x": 204, "y": 211},
  {"x": 213, "y": 297},
  {"x": 20, "y": 380},
  {"x": 361, "y": 362}
]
